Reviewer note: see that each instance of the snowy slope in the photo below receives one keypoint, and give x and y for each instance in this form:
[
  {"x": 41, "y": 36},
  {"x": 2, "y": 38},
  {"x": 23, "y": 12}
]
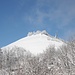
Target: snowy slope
[{"x": 36, "y": 42}]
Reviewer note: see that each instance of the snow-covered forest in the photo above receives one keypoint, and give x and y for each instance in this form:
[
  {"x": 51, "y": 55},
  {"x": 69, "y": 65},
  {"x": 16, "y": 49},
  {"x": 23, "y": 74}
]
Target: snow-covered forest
[{"x": 18, "y": 61}]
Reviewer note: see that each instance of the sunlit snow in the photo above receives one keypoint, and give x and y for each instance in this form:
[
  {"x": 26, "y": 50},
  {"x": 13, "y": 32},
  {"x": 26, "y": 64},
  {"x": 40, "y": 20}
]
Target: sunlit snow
[{"x": 36, "y": 43}]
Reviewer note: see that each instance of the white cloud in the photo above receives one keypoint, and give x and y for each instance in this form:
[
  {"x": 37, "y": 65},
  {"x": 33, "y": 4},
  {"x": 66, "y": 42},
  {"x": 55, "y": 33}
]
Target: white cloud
[{"x": 62, "y": 12}]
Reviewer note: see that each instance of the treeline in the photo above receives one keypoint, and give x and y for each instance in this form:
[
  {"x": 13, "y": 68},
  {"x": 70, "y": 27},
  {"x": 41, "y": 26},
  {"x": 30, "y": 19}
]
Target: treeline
[{"x": 17, "y": 61}]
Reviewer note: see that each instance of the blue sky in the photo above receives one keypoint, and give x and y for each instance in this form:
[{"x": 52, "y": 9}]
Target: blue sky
[{"x": 18, "y": 17}]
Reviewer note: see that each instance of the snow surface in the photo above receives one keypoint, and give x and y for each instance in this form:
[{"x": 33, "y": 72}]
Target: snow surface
[{"x": 36, "y": 43}]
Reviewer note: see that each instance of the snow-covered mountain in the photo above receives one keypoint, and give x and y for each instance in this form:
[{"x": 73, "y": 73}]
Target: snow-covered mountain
[{"x": 36, "y": 42}]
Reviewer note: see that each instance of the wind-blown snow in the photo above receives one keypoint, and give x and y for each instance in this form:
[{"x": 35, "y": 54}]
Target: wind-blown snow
[{"x": 36, "y": 43}]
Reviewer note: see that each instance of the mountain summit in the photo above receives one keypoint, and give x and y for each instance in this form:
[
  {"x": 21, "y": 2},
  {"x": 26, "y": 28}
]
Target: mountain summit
[{"x": 36, "y": 42}]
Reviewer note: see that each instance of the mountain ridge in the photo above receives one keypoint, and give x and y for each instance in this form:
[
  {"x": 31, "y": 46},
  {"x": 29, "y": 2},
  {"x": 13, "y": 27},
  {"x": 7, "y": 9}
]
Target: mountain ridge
[{"x": 36, "y": 42}]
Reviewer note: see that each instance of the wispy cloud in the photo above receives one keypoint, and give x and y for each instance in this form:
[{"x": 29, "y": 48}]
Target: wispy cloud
[
  {"x": 69, "y": 34},
  {"x": 61, "y": 12},
  {"x": 53, "y": 13}
]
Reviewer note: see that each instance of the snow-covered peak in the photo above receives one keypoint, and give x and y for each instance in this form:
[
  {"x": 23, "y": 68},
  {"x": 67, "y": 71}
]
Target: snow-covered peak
[
  {"x": 36, "y": 42},
  {"x": 37, "y": 32}
]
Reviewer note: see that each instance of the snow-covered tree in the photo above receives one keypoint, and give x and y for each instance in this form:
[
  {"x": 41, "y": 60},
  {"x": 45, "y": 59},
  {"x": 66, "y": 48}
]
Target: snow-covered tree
[{"x": 1, "y": 58}]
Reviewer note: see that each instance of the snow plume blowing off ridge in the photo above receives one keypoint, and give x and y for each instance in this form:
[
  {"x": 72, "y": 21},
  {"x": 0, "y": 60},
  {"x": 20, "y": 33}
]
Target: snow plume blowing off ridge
[{"x": 36, "y": 42}]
